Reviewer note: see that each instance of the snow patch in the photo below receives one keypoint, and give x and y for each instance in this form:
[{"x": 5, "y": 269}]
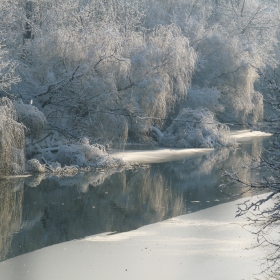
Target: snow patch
[
  {"x": 161, "y": 155},
  {"x": 243, "y": 135}
]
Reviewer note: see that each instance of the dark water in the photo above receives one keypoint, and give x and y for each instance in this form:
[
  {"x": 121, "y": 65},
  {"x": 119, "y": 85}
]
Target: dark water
[{"x": 41, "y": 211}]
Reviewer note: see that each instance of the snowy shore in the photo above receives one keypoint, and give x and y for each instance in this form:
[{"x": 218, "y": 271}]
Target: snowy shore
[
  {"x": 165, "y": 155},
  {"x": 209, "y": 244}
]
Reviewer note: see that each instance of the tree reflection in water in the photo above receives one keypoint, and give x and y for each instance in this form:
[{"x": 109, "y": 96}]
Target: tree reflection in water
[
  {"x": 62, "y": 209},
  {"x": 50, "y": 210},
  {"x": 11, "y": 197}
]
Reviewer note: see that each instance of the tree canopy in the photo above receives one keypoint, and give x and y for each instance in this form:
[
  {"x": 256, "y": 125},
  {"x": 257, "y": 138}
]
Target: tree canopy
[{"x": 119, "y": 70}]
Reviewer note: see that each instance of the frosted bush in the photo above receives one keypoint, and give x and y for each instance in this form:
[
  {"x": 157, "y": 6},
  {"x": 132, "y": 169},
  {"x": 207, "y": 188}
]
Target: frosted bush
[
  {"x": 195, "y": 129},
  {"x": 31, "y": 117},
  {"x": 82, "y": 154},
  {"x": 12, "y": 140},
  {"x": 63, "y": 171},
  {"x": 34, "y": 166}
]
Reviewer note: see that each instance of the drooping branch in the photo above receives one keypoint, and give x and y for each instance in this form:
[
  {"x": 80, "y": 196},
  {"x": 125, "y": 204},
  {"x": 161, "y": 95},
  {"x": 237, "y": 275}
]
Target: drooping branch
[
  {"x": 271, "y": 83},
  {"x": 61, "y": 83}
]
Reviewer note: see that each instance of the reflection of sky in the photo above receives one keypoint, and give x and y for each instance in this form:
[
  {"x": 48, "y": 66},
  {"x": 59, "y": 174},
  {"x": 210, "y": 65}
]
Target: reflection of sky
[{"x": 47, "y": 211}]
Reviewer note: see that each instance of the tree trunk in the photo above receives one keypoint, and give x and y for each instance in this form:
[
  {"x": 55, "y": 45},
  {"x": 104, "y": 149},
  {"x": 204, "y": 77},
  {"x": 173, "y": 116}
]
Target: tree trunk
[{"x": 28, "y": 28}]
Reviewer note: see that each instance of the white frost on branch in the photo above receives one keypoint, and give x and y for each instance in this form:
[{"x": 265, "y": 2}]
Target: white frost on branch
[
  {"x": 7, "y": 71},
  {"x": 81, "y": 154},
  {"x": 93, "y": 66}
]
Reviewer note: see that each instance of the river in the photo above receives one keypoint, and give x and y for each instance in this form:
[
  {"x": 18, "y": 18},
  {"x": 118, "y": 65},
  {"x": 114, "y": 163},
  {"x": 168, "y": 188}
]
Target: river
[{"x": 40, "y": 211}]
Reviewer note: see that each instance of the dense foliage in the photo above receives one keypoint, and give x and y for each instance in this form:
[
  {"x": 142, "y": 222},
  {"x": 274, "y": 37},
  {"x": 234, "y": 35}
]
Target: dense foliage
[{"x": 119, "y": 70}]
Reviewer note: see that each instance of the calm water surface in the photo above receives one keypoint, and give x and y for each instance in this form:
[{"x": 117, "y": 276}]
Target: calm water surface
[{"x": 41, "y": 211}]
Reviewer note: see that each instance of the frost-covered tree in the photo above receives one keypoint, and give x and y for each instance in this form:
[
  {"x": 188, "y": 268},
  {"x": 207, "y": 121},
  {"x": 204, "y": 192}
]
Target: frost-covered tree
[
  {"x": 242, "y": 35},
  {"x": 121, "y": 69},
  {"x": 229, "y": 37},
  {"x": 7, "y": 72},
  {"x": 11, "y": 195},
  {"x": 91, "y": 69},
  {"x": 262, "y": 213},
  {"x": 12, "y": 140}
]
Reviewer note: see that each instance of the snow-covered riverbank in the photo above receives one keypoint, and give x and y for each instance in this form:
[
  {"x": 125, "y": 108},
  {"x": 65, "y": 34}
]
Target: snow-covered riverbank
[
  {"x": 209, "y": 244},
  {"x": 245, "y": 135},
  {"x": 160, "y": 155},
  {"x": 165, "y": 155}
]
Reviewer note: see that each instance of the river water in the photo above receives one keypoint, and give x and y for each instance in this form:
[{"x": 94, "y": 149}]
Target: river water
[{"x": 41, "y": 211}]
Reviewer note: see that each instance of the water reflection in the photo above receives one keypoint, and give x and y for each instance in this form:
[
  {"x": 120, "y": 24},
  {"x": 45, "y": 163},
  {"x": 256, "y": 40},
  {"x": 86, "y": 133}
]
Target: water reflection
[
  {"x": 40, "y": 211},
  {"x": 11, "y": 197}
]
